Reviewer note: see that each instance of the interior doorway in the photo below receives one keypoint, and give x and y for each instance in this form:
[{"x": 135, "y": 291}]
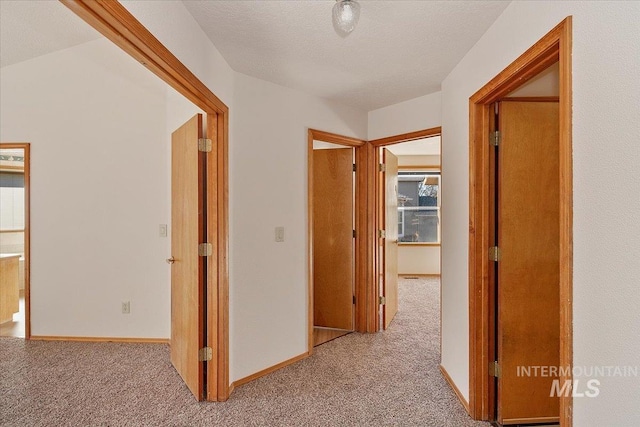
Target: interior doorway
[
  {"x": 14, "y": 240},
  {"x": 407, "y": 213},
  {"x": 487, "y": 302},
  {"x": 337, "y": 236}
]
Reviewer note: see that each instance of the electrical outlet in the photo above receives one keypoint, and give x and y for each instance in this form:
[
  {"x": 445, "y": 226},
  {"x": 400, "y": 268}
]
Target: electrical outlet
[
  {"x": 163, "y": 230},
  {"x": 126, "y": 307}
]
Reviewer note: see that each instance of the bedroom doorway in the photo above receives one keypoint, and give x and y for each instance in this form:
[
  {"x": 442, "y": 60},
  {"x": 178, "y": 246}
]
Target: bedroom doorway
[{"x": 14, "y": 240}]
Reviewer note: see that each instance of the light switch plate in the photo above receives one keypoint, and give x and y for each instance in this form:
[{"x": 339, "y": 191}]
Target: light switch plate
[
  {"x": 279, "y": 234},
  {"x": 162, "y": 230}
]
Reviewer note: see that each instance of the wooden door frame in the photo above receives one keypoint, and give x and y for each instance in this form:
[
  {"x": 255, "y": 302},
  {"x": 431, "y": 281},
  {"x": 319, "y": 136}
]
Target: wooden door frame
[
  {"x": 377, "y": 217},
  {"x": 27, "y": 230},
  {"x": 362, "y": 238},
  {"x": 555, "y": 46},
  {"x": 117, "y": 24}
]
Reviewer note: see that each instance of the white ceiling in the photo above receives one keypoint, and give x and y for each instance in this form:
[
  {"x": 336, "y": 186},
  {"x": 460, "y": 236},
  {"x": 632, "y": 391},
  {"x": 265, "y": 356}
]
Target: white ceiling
[
  {"x": 29, "y": 29},
  {"x": 398, "y": 51},
  {"x": 420, "y": 147}
]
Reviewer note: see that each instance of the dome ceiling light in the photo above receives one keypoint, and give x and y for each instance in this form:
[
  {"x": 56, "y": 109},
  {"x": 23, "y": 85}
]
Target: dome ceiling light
[{"x": 345, "y": 16}]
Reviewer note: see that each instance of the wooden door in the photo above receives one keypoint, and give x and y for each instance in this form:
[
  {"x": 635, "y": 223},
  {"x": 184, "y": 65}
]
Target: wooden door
[
  {"x": 528, "y": 324},
  {"x": 187, "y": 268},
  {"x": 390, "y": 283},
  {"x": 333, "y": 238}
]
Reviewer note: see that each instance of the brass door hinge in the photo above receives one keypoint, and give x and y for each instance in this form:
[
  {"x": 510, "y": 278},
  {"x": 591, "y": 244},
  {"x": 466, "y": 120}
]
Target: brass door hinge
[
  {"x": 495, "y": 138},
  {"x": 494, "y": 253},
  {"x": 205, "y": 354},
  {"x": 382, "y": 167},
  {"x": 354, "y": 167},
  {"x": 204, "y": 145},
  {"x": 382, "y": 234},
  {"x": 205, "y": 249},
  {"x": 382, "y": 300},
  {"x": 494, "y": 369}
]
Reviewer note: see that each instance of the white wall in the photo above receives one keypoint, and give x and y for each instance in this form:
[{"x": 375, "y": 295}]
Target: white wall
[
  {"x": 606, "y": 89},
  {"x": 171, "y": 23},
  {"x": 267, "y": 188},
  {"x": 95, "y": 119},
  {"x": 416, "y": 114},
  {"x": 414, "y": 259}
]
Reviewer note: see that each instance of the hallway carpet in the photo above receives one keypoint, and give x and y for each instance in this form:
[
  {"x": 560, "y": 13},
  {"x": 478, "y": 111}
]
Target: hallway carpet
[{"x": 386, "y": 379}]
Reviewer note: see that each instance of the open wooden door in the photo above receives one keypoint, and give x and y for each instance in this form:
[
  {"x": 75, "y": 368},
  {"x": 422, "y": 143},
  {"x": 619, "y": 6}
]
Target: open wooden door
[
  {"x": 187, "y": 266},
  {"x": 333, "y": 238},
  {"x": 528, "y": 268},
  {"x": 390, "y": 283}
]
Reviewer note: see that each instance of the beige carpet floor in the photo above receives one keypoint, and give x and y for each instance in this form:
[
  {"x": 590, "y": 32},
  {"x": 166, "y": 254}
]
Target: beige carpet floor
[{"x": 386, "y": 379}]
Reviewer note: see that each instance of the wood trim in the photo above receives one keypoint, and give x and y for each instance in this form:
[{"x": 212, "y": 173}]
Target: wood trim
[
  {"x": 117, "y": 24},
  {"x": 454, "y": 387},
  {"x": 406, "y": 137},
  {"x": 409, "y": 244},
  {"x": 440, "y": 275},
  {"x": 27, "y": 230},
  {"x": 368, "y": 290},
  {"x": 12, "y": 231},
  {"x": 566, "y": 216},
  {"x": 554, "y": 46},
  {"x": 426, "y": 168},
  {"x": 334, "y": 138},
  {"x": 409, "y": 275},
  {"x": 540, "y": 420},
  {"x": 102, "y": 339},
  {"x": 310, "y": 137},
  {"x": 531, "y": 99},
  {"x": 262, "y": 373}
]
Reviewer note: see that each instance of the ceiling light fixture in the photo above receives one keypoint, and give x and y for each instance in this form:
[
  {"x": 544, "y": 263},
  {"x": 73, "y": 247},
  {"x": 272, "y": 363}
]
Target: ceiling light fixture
[{"x": 345, "y": 16}]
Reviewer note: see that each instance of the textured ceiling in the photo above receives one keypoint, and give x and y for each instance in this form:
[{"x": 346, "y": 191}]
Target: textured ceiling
[
  {"x": 29, "y": 29},
  {"x": 398, "y": 51}
]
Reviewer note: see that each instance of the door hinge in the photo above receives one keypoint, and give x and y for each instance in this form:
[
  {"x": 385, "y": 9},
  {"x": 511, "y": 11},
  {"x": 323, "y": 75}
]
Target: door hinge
[
  {"x": 494, "y": 369},
  {"x": 205, "y": 249},
  {"x": 354, "y": 234},
  {"x": 354, "y": 299},
  {"x": 354, "y": 167},
  {"x": 205, "y": 354},
  {"x": 382, "y": 300},
  {"x": 494, "y": 253},
  {"x": 204, "y": 145},
  {"x": 495, "y": 138},
  {"x": 382, "y": 167},
  {"x": 382, "y": 234}
]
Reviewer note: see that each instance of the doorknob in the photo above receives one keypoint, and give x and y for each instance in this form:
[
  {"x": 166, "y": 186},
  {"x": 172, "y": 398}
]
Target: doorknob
[{"x": 171, "y": 260}]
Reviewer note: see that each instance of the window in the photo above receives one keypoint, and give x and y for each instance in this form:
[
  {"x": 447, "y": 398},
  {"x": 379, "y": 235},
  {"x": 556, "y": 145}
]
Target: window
[{"x": 418, "y": 207}]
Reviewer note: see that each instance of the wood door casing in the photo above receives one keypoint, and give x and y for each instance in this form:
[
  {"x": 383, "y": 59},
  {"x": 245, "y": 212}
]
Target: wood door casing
[
  {"x": 333, "y": 238},
  {"x": 187, "y": 270},
  {"x": 390, "y": 174},
  {"x": 528, "y": 332}
]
